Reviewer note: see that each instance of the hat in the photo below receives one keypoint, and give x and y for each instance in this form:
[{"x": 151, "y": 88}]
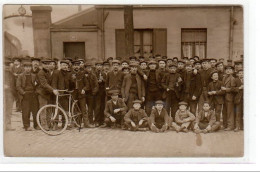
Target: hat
[
  {"x": 161, "y": 59},
  {"x": 87, "y": 64},
  {"x": 175, "y": 58},
  {"x": 238, "y": 62},
  {"x": 141, "y": 57},
  {"x": 143, "y": 62},
  {"x": 188, "y": 63},
  {"x": 218, "y": 64},
  {"x": 27, "y": 64},
  {"x": 229, "y": 67},
  {"x": 169, "y": 58},
  {"x": 68, "y": 58},
  {"x": 76, "y": 62},
  {"x": 214, "y": 71},
  {"x": 204, "y": 60},
  {"x": 151, "y": 57},
  {"x": 164, "y": 57},
  {"x": 152, "y": 62},
  {"x": 181, "y": 61},
  {"x": 116, "y": 62},
  {"x": 185, "y": 57},
  {"x": 65, "y": 61},
  {"x": 173, "y": 64},
  {"x": 159, "y": 102},
  {"x": 213, "y": 59},
  {"x": 133, "y": 64},
  {"x": 99, "y": 62},
  {"x": 221, "y": 59},
  {"x": 119, "y": 58},
  {"x": 110, "y": 58},
  {"x": 124, "y": 61},
  {"x": 197, "y": 62},
  {"x": 114, "y": 92},
  {"x": 81, "y": 60},
  {"x": 196, "y": 57},
  {"x": 17, "y": 58},
  {"x": 137, "y": 101},
  {"x": 106, "y": 63},
  {"x": 35, "y": 59},
  {"x": 132, "y": 57},
  {"x": 47, "y": 60},
  {"x": 125, "y": 68},
  {"x": 183, "y": 103},
  {"x": 229, "y": 60}
]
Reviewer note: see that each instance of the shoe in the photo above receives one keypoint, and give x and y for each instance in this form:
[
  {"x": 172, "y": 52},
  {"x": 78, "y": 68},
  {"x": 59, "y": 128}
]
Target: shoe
[
  {"x": 123, "y": 127},
  {"x": 97, "y": 124},
  {"x": 228, "y": 129},
  {"x": 103, "y": 125},
  {"x": 143, "y": 129},
  {"x": 236, "y": 129},
  {"x": 28, "y": 129},
  {"x": 204, "y": 131},
  {"x": 185, "y": 130},
  {"x": 154, "y": 129},
  {"x": 178, "y": 129},
  {"x": 89, "y": 126},
  {"x": 197, "y": 131},
  {"x": 37, "y": 128},
  {"x": 222, "y": 128}
]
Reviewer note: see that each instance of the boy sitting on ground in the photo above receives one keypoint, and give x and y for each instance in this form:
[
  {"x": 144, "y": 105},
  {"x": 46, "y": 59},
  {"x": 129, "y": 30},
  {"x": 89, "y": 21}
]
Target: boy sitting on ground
[
  {"x": 136, "y": 118},
  {"x": 206, "y": 120},
  {"x": 159, "y": 118},
  {"x": 183, "y": 118}
]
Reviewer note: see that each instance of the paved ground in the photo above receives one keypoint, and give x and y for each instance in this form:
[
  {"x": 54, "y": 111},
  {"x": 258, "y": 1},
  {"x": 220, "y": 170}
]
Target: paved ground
[{"x": 99, "y": 142}]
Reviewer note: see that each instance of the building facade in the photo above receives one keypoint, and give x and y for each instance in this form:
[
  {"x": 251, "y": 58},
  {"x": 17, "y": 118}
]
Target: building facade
[{"x": 174, "y": 31}]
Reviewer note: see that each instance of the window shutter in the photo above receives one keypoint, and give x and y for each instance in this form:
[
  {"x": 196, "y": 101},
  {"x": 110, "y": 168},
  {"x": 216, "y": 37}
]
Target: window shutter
[
  {"x": 160, "y": 42},
  {"x": 120, "y": 43}
]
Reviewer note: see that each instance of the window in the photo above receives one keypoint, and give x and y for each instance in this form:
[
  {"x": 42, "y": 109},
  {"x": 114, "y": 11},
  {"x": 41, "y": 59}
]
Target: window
[
  {"x": 147, "y": 42},
  {"x": 143, "y": 43},
  {"x": 194, "y": 43}
]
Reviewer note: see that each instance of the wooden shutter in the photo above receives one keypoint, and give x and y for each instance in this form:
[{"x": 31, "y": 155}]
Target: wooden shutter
[
  {"x": 120, "y": 43},
  {"x": 160, "y": 41}
]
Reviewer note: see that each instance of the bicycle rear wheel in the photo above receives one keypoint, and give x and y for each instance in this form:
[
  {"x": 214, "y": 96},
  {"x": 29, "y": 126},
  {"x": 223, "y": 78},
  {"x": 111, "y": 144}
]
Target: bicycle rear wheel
[
  {"x": 76, "y": 114},
  {"x": 52, "y": 120}
]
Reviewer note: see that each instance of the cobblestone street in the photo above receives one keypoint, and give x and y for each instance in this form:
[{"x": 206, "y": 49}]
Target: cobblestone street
[{"x": 98, "y": 142}]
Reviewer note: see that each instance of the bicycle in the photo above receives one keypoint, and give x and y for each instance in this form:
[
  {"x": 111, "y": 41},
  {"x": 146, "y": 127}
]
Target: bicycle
[{"x": 54, "y": 120}]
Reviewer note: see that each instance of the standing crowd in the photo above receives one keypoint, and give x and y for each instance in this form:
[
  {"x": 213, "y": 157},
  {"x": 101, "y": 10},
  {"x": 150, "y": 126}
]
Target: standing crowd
[{"x": 158, "y": 93}]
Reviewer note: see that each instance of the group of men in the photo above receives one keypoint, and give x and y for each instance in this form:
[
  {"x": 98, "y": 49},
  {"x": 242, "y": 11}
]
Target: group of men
[{"x": 136, "y": 93}]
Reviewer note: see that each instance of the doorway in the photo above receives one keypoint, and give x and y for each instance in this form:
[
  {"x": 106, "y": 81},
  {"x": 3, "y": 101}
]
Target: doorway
[{"x": 74, "y": 49}]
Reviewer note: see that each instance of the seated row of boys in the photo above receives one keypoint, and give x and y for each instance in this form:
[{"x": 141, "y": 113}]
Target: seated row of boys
[{"x": 136, "y": 118}]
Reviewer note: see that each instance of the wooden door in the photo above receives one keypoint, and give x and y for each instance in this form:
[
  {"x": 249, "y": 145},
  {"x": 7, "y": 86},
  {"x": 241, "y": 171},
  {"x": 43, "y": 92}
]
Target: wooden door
[{"x": 74, "y": 49}]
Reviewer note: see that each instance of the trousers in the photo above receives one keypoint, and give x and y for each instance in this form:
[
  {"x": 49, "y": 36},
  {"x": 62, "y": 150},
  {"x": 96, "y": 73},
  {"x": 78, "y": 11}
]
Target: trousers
[
  {"x": 100, "y": 106},
  {"x": 239, "y": 115},
  {"x": 151, "y": 98},
  {"x": 172, "y": 103},
  {"x": 217, "y": 107}
]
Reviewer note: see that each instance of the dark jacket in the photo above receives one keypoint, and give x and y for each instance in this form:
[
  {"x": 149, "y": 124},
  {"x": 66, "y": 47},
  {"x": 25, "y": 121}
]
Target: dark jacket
[
  {"x": 162, "y": 118},
  {"x": 210, "y": 119},
  {"x": 101, "y": 77},
  {"x": 192, "y": 86},
  {"x": 219, "y": 93},
  {"x": 135, "y": 116},
  {"x": 61, "y": 80},
  {"x": 114, "y": 82},
  {"x": 158, "y": 79},
  {"x": 91, "y": 79},
  {"x": 127, "y": 82},
  {"x": 109, "y": 107},
  {"x": 21, "y": 82},
  {"x": 230, "y": 83},
  {"x": 239, "y": 92},
  {"x": 177, "y": 87},
  {"x": 44, "y": 79}
]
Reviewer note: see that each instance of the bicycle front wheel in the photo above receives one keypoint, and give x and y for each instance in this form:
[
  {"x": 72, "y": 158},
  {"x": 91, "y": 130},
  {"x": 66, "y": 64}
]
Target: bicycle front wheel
[
  {"x": 52, "y": 120},
  {"x": 76, "y": 114}
]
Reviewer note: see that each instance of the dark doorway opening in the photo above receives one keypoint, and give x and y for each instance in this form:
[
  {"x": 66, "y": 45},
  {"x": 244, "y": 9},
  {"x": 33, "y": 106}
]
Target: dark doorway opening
[{"x": 74, "y": 49}]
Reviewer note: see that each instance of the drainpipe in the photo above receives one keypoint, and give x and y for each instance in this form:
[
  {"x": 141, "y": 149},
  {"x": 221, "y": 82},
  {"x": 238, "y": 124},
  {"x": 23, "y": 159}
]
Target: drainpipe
[
  {"x": 231, "y": 33},
  {"x": 102, "y": 35}
]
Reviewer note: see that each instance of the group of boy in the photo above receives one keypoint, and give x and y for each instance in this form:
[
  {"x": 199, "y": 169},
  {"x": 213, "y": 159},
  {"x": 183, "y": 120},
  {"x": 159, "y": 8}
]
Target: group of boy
[{"x": 157, "y": 93}]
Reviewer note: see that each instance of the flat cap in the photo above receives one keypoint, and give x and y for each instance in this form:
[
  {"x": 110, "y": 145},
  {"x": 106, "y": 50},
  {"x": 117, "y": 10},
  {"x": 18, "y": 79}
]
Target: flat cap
[
  {"x": 183, "y": 103},
  {"x": 152, "y": 62},
  {"x": 116, "y": 62},
  {"x": 124, "y": 61},
  {"x": 99, "y": 63},
  {"x": 204, "y": 60},
  {"x": 133, "y": 64},
  {"x": 159, "y": 102},
  {"x": 175, "y": 58},
  {"x": 76, "y": 62},
  {"x": 81, "y": 60},
  {"x": 213, "y": 59},
  {"x": 161, "y": 59},
  {"x": 229, "y": 67},
  {"x": 173, "y": 65},
  {"x": 88, "y": 64},
  {"x": 238, "y": 62},
  {"x": 213, "y": 72},
  {"x": 65, "y": 61},
  {"x": 188, "y": 63},
  {"x": 113, "y": 92},
  {"x": 132, "y": 57},
  {"x": 110, "y": 58},
  {"x": 137, "y": 101},
  {"x": 17, "y": 59},
  {"x": 143, "y": 62},
  {"x": 218, "y": 63},
  {"x": 124, "y": 68},
  {"x": 68, "y": 58},
  {"x": 35, "y": 59},
  {"x": 106, "y": 63},
  {"x": 47, "y": 60},
  {"x": 27, "y": 63},
  {"x": 181, "y": 61}
]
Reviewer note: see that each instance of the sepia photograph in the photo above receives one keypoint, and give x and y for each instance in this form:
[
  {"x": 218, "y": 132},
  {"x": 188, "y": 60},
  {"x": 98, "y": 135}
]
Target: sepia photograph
[{"x": 116, "y": 81}]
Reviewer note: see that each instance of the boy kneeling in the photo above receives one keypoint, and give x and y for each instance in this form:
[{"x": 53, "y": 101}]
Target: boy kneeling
[
  {"x": 136, "y": 118},
  {"x": 183, "y": 118},
  {"x": 206, "y": 120},
  {"x": 159, "y": 118}
]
